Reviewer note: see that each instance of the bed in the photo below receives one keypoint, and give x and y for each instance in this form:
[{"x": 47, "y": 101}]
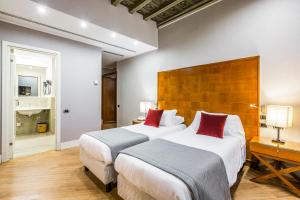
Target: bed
[
  {"x": 96, "y": 156},
  {"x": 140, "y": 180}
]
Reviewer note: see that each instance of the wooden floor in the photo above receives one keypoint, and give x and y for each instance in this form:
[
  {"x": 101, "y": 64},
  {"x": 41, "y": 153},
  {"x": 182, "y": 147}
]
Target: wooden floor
[{"x": 59, "y": 175}]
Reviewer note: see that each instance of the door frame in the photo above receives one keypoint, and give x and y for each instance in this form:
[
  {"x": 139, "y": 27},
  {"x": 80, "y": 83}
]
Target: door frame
[
  {"x": 8, "y": 105},
  {"x": 102, "y": 95}
]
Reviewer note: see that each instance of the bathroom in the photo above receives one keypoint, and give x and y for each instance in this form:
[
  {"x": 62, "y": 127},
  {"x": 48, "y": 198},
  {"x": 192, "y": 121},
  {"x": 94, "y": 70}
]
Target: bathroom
[{"x": 34, "y": 103}]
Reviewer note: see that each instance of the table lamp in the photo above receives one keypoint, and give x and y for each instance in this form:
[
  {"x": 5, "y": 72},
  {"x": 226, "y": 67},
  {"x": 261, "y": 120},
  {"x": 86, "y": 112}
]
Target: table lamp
[
  {"x": 279, "y": 117},
  {"x": 144, "y": 107}
]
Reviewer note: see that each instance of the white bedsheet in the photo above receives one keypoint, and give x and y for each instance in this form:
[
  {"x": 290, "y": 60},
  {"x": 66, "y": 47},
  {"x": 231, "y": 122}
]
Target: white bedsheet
[
  {"x": 101, "y": 152},
  {"x": 151, "y": 180}
]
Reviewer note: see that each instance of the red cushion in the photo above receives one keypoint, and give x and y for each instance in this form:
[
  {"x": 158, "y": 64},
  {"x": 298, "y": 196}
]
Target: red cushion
[
  {"x": 212, "y": 125},
  {"x": 153, "y": 117}
]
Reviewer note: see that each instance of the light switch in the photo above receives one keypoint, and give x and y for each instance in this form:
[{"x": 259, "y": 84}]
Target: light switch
[{"x": 96, "y": 82}]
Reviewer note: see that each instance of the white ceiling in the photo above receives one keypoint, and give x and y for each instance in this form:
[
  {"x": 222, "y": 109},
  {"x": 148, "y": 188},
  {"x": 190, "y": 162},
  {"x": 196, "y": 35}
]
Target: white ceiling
[{"x": 38, "y": 17}]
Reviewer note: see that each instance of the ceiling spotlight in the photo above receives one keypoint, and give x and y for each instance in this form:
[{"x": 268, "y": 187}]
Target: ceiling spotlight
[
  {"x": 136, "y": 43},
  {"x": 113, "y": 35},
  {"x": 83, "y": 24},
  {"x": 42, "y": 9}
]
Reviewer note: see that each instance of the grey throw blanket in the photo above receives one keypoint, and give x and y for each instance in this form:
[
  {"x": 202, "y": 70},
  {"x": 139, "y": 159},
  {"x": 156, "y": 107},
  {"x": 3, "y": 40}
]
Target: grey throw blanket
[
  {"x": 118, "y": 139},
  {"x": 202, "y": 171}
]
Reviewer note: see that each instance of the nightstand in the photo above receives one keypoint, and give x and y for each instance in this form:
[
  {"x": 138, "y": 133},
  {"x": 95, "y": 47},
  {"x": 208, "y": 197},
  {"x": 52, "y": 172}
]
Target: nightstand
[
  {"x": 136, "y": 121},
  {"x": 289, "y": 152}
]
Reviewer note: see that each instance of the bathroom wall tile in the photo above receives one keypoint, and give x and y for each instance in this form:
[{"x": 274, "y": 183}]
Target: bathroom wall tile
[{"x": 28, "y": 124}]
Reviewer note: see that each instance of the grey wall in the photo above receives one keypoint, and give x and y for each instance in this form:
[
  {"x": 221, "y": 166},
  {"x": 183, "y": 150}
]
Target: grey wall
[
  {"x": 81, "y": 65},
  {"x": 229, "y": 30}
]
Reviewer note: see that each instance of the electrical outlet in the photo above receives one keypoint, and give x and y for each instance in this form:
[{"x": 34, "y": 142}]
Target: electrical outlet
[{"x": 19, "y": 124}]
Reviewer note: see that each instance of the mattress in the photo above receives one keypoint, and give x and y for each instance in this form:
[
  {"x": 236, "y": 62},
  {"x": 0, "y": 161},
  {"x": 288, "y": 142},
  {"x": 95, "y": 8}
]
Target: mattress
[
  {"x": 101, "y": 152},
  {"x": 151, "y": 180}
]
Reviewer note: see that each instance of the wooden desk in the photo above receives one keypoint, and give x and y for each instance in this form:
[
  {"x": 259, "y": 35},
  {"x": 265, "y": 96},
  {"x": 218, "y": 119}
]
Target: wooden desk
[
  {"x": 136, "y": 121},
  {"x": 289, "y": 152}
]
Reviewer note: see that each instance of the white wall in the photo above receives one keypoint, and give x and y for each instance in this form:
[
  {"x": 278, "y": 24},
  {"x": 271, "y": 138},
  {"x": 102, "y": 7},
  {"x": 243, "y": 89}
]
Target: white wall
[
  {"x": 102, "y": 13},
  {"x": 80, "y": 66},
  {"x": 229, "y": 30}
]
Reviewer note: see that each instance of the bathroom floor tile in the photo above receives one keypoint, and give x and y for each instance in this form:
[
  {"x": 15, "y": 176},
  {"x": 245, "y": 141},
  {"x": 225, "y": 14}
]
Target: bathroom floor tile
[{"x": 32, "y": 144}]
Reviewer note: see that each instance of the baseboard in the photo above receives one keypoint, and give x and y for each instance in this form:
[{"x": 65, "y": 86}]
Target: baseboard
[{"x": 70, "y": 144}]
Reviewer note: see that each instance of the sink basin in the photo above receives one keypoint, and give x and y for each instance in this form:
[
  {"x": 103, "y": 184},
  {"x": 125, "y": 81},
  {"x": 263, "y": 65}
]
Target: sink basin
[{"x": 29, "y": 111}]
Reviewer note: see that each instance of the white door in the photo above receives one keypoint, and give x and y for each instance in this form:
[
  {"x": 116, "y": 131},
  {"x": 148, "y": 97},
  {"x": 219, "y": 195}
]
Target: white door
[{"x": 14, "y": 95}]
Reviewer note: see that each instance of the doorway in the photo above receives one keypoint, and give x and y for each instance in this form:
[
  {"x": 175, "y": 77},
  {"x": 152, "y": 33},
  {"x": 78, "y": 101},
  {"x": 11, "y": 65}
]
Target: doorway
[
  {"x": 109, "y": 100},
  {"x": 30, "y": 100}
]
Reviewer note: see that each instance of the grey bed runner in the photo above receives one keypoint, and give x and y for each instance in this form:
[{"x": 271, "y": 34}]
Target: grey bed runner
[
  {"x": 202, "y": 171},
  {"x": 118, "y": 139}
]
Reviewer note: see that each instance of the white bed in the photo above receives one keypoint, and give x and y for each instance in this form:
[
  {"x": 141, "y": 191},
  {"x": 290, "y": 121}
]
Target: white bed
[
  {"x": 96, "y": 156},
  {"x": 140, "y": 180}
]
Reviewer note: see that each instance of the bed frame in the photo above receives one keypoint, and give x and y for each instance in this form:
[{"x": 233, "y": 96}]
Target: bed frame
[{"x": 228, "y": 87}]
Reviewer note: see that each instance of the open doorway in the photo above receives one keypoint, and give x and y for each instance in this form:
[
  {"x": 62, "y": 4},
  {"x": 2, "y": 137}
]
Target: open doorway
[
  {"x": 30, "y": 118},
  {"x": 109, "y": 97}
]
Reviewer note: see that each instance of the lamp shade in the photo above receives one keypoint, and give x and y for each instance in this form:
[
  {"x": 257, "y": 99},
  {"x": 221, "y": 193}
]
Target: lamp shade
[
  {"x": 145, "y": 106},
  {"x": 279, "y": 116}
]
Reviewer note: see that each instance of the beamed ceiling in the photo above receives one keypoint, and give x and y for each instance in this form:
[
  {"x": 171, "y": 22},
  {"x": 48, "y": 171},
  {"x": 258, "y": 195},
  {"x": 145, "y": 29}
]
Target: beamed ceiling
[{"x": 163, "y": 11}]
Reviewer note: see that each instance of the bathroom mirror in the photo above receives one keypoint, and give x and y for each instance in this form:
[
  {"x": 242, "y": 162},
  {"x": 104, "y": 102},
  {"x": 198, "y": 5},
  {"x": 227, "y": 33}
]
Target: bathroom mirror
[{"x": 28, "y": 85}]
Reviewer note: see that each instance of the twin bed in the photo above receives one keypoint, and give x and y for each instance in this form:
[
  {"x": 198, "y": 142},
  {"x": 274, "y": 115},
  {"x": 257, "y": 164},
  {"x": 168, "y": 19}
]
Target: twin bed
[
  {"x": 97, "y": 157},
  {"x": 178, "y": 163},
  {"x": 140, "y": 180}
]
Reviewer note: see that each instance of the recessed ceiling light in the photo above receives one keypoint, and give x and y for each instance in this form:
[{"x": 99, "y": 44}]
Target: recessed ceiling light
[
  {"x": 83, "y": 24},
  {"x": 113, "y": 35},
  {"x": 136, "y": 43},
  {"x": 42, "y": 9}
]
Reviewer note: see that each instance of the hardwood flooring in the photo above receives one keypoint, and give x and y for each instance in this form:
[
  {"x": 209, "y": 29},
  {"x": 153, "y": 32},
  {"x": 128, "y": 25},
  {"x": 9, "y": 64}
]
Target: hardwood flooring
[
  {"x": 58, "y": 175},
  {"x": 109, "y": 125}
]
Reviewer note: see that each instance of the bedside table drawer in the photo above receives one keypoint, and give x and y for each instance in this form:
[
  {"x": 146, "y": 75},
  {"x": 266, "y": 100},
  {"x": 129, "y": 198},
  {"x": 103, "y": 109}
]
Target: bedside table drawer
[{"x": 277, "y": 152}]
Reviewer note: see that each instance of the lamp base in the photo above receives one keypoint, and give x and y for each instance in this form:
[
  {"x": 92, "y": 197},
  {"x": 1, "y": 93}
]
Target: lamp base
[
  {"x": 141, "y": 118},
  {"x": 278, "y": 141}
]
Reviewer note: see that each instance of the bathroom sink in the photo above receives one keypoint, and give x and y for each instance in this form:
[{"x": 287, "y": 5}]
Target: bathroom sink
[{"x": 29, "y": 111}]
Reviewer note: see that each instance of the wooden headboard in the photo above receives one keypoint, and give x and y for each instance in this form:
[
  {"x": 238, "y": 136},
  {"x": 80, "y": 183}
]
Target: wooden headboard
[{"x": 228, "y": 87}]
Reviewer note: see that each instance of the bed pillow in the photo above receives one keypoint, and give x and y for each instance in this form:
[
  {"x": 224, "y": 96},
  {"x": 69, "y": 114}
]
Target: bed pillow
[
  {"x": 212, "y": 125},
  {"x": 153, "y": 117},
  {"x": 196, "y": 122},
  {"x": 177, "y": 120},
  {"x": 174, "y": 121},
  {"x": 234, "y": 126},
  {"x": 167, "y": 117}
]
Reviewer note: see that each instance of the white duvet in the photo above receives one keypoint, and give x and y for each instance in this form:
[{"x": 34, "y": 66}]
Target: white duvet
[
  {"x": 101, "y": 152},
  {"x": 164, "y": 186}
]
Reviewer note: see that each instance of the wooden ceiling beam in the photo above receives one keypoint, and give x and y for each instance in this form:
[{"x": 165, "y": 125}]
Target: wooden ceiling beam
[
  {"x": 116, "y": 2},
  {"x": 161, "y": 10},
  {"x": 188, "y": 11},
  {"x": 139, "y": 5}
]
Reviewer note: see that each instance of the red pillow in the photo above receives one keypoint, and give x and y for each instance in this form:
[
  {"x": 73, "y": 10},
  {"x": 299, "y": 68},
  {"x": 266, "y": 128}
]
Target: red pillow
[
  {"x": 153, "y": 117},
  {"x": 212, "y": 125}
]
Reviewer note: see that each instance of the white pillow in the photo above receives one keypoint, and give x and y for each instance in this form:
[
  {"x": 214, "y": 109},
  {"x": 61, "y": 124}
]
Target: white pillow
[
  {"x": 196, "y": 122},
  {"x": 174, "y": 121},
  {"x": 167, "y": 117},
  {"x": 233, "y": 126}
]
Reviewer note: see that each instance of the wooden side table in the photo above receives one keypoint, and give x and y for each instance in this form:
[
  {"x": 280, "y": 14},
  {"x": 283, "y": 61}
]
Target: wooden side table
[
  {"x": 289, "y": 152},
  {"x": 136, "y": 121}
]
